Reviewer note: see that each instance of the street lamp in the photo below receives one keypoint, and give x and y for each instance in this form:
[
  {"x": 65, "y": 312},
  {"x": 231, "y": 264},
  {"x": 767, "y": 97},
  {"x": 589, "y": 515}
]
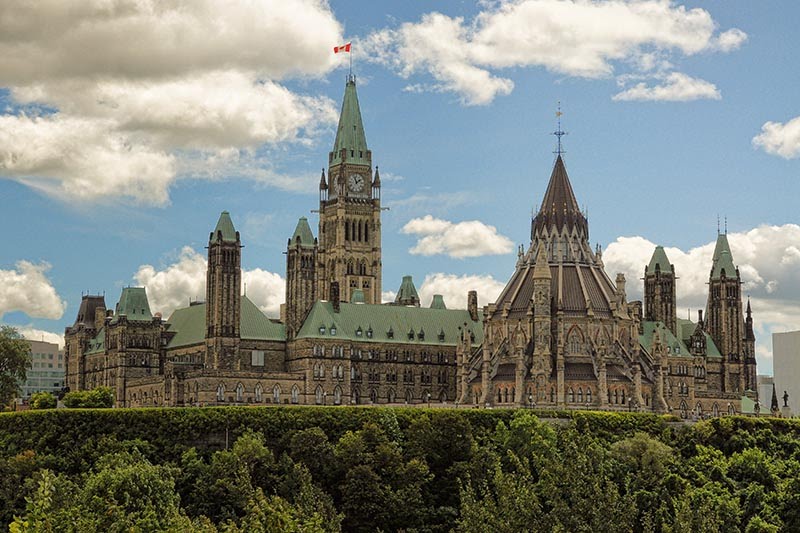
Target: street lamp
[
  {"x": 530, "y": 400},
  {"x": 428, "y": 397},
  {"x": 324, "y": 398}
]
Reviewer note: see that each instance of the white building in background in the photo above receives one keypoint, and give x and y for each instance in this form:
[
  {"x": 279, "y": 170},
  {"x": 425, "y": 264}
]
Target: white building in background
[
  {"x": 46, "y": 372},
  {"x": 765, "y": 384},
  {"x": 786, "y": 368}
]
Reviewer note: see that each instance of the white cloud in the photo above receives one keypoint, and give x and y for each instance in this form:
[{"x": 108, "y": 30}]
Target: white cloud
[
  {"x": 767, "y": 257},
  {"x": 27, "y": 289},
  {"x": 574, "y": 37},
  {"x": 782, "y": 139},
  {"x": 34, "y": 334},
  {"x": 185, "y": 279},
  {"x": 388, "y": 296},
  {"x": 140, "y": 89},
  {"x": 675, "y": 87},
  {"x": 470, "y": 238},
  {"x": 454, "y": 289}
]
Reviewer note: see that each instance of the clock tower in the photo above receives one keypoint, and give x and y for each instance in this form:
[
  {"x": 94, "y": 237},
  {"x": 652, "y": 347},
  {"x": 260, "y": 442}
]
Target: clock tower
[{"x": 350, "y": 211}]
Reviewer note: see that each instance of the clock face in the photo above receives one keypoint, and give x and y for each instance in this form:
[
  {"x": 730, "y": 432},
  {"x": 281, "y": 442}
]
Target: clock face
[{"x": 356, "y": 182}]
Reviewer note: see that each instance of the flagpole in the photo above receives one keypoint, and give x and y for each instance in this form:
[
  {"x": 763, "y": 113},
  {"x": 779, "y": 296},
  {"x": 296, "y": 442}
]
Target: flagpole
[{"x": 350, "y": 53}]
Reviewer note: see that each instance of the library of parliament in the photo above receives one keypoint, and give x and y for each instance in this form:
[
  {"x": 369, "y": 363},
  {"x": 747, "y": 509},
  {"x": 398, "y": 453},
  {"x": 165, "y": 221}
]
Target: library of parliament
[{"x": 561, "y": 334}]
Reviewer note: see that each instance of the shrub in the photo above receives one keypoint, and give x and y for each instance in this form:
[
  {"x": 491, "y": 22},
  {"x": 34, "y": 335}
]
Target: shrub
[
  {"x": 43, "y": 400},
  {"x": 99, "y": 397}
]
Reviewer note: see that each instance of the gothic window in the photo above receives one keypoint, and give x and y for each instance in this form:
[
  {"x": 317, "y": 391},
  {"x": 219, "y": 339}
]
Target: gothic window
[
  {"x": 499, "y": 396},
  {"x": 276, "y": 394},
  {"x": 574, "y": 343},
  {"x": 409, "y": 396},
  {"x": 318, "y": 395},
  {"x": 259, "y": 392},
  {"x": 616, "y": 397},
  {"x": 552, "y": 395},
  {"x": 580, "y": 395},
  {"x": 513, "y": 394},
  {"x": 366, "y": 232},
  {"x": 715, "y": 410},
  {"x": 347, "y": 230},
  {"x": 316, "y": 370},
  {"x": 337, "y": 396},
  {"x": 699, "y": 409},
  {"x": 295, "y": 394},
  {"x": 390, "y": 396},
  {"x": 221, "y": 392},
  {"x": 352, "y": 372},
  {"x": 239, "y": 392},
  {"x": 571, "y": 395},
  {"x": 321, "y": 370},
  {"x": 622, "y": 397},
  {"x": 373, "y": 396},
  {"x": 588, "y": 395}
]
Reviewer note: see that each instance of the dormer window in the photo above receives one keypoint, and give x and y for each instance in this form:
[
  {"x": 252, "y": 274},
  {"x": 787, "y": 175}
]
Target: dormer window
[
  {"x": 421, "y": 335},
  {"x": 390, "y": 334},
  {"x": 359, "y": 332},
  {"x": 441, "y": 335},
  {"x": 411, "y": 334},
  {"x": 369, "y": 333},
  {"x": 322, "y": 330},
  {"x": 333, "y": 330}
]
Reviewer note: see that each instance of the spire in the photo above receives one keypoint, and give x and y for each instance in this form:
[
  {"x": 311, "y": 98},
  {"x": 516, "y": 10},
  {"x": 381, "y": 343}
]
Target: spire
[
  {"x": 377, "y": 181},
  {"x": 224, "y": 231},
  {"x": 723, "y": 259},
  {"x": 559, "y": 206},
  {"x": 323, "y": 184},
  {"x": 350, "y": 134},
  {"x": 659, "y": 262},
  {"x": 542, "y": 268},
  {"x": 302, "y": 234},
  {"x": 559, "y": 132}
]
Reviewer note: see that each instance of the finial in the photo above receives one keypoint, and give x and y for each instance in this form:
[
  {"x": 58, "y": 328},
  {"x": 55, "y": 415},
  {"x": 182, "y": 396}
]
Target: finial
[
  {"x": 559, "y": 132},
  {"x": 717, "y": 223},
  {"x": 726, "y": 224}
]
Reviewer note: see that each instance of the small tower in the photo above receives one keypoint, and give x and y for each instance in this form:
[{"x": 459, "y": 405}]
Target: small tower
[
  {"x": 724, "y": 320},
  {"x": 659, "y": 291},
  {"x": 541, "y": 302},
  {"x": 407, "y": 294},
  {"x": 750, "y": 352},
  {"x": 223, "y": 295},
  {"x": 301, "y": 260}
]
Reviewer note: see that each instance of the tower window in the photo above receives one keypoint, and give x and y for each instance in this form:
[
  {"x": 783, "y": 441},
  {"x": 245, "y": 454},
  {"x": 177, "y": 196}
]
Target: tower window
[{"x": 352, "y": 151}]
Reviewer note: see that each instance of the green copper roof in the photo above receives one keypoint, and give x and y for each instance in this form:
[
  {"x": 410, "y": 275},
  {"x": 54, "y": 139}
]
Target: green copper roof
[
  {"x": 659, "y": 260},
  {"x": 723, "y": 259},
  {"x": 302, "y": 234},
  {"x": 407, "y": 295},
  {"x": 133, "y": 304},
  {"x": 189, "y": 323},
  {"x": 438, "y": 302},
  {"x": 373, "y": 323},
  {"x": 225, "y": 228},
  {"x": 350, "y": 135},
  {"x": 675, "y": 346}
]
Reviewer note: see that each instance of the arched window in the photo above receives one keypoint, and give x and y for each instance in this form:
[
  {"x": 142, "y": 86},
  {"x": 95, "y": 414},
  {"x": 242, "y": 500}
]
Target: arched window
[
  {"x": 574, "y": 343},
  {"x": 552, "y": 395},
  {"x": 347, "y": 230},
  {"x": 295, "y": 394},
  {"x": 580, "y": 395},
  {"x": 571, "y": 395},
  {"x": 715, "y": 410},
  {"x": 506, "y": 391},
  {"x": 373, "y": 396},
  {"x": 366, "y": 231},
  {"x": 499, "y": 396},
  {"x": 588, "y": 395},
  {"x": 352, "y": 372},
  {"x": 318, "y": 395},
  {"x": 699, "y": 409},
  {"x": 337, "y": 395},
  {"x": 321, "y": 370},
  {"x": 276, "y": 394},
  {"x": 259, "y": 393},
  {"x": 622, "y": 396},
  {"x": 390, "y": 396},
  {"x": 409, "y": 396},
  {"x": 239, "y": 392},
  {"x": 616, "y": 397},
  {"x": 684, "y": 408},
  {"x": 221, "y": 392}
]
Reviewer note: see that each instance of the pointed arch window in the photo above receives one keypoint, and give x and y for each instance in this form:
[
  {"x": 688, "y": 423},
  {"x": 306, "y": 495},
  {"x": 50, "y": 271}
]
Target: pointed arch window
[
  {"x": 318, "y": 395},
  {"x": 580, "y": 395},
  {"x": 571, "y": 395},
  {"x": 221, "y": 392},
  {"x": 239, "y": 392},
  {"x": 259, "y": 393},
  {"x": 337, "y": 396},
  {"x": 276, "y": 394},
  {"x": 588, "y": 396},
  {"x": 295, "y": 394},
  {"x": 552, "y": 395}
]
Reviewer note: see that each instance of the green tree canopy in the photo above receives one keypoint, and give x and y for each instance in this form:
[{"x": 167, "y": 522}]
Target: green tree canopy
[{"x": 15, "y": 358}]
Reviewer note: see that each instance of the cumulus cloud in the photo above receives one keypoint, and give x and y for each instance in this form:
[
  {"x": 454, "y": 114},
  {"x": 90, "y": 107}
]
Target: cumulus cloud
[
  {"x": 674, "y": 87},
  {"x": 135, "y": 86},
  {"x": 767, "y": 257},
  {"x": 782, "y": 139},
  {"x": 454, "y": 289},
  {"x": 34, "y": 334},
  {"x": 28, "y": 289},
  {"x": 176, "y": 284},
  {"x": 574, "y": 37},
  {"x": 470, "y": 238}
]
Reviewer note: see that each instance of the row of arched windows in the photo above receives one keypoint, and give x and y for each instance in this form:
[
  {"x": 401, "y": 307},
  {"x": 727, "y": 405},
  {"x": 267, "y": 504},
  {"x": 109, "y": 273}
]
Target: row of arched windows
[
  {"x": 258, "y": 393},
  {"x": 356, "y": 230}
]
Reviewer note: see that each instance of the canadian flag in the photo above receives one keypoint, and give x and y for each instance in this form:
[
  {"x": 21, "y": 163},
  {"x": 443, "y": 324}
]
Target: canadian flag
[{"x": 343, "y": 48}]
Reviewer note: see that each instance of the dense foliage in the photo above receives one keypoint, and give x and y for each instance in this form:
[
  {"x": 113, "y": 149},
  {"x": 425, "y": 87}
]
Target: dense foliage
[
  {"x": 43, "y": 400},
  {"x": 95, "y": 398},
  {"x": 367, "y": 469},
  {"x": 15, "y": 358}
]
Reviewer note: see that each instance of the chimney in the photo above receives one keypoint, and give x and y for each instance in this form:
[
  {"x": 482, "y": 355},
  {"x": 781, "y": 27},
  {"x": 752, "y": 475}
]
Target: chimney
[
  {"x": 335, "y": 296},
  {"x": 700, "y": 317},
  {"x": 472, "y": 305},
  {"x": 99, "y": 317}
]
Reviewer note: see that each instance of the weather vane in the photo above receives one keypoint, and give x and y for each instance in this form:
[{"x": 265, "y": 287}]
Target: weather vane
[{"x": 559, "y": 132}]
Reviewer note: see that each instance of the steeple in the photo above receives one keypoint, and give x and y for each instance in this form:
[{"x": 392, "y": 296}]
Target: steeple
[
  {"x": 660, "y": 301},
  {"x": 659, "y": 262},
  {"x": 723, "y": 259},
  {"x": 323, "y": 185},
  {"x": 302, "y": 234},
  {"x": 224, "y": 231},
  {"x": 223, "y": 294},
  {"x": 559, "y": 207},
  {"x": 351, "y": 141}
]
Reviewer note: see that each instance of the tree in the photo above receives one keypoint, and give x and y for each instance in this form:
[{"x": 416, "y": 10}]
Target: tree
[
  {"x": 15, "y": 358},
  {"x": 43, "y": 400},
  {"x": 99, "y": 397}
]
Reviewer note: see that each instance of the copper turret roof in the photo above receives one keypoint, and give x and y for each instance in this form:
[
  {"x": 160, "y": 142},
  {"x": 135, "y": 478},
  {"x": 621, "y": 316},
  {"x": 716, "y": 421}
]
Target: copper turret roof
[{"x": 559, "y": 206}]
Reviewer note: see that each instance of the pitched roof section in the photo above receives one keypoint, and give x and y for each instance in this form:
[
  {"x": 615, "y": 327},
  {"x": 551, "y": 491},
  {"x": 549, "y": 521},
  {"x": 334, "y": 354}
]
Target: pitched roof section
[
  {"x": 559, "y": 206},
  {"x": 89, "y": 305},
  {"x": 723, "y": 259},
  {"x": 224, "y": 231},
  {"x": 189, "y": 325},
  {"x": 350, "y": 135},
  {"x": 407, "y": 294},
  {"x": 388, "y": 323},
  {"x": 302, "y": 234},
  {"x": 659, "y": 261},
  {"x": 133, "y": 304},
  {"x": 438, "y": 302}
]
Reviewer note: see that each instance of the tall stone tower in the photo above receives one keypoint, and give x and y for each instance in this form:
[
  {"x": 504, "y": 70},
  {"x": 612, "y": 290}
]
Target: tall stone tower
[
  {"x": 301, "y": 260},
  {"x": 350, "y": 211},
  {"x": 223, "y": 295},
  {"x": 724, "y": 317},
  {"x": 541, "y": 366},
  {"x": 659, "y": 290}
]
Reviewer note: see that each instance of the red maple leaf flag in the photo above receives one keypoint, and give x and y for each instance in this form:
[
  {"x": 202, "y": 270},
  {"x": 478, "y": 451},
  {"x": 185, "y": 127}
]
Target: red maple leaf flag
[{"x": 342, "y": 48}]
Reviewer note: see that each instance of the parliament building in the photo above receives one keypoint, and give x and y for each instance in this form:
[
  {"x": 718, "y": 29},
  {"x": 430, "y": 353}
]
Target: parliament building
[{"x": 561, "y": 334}]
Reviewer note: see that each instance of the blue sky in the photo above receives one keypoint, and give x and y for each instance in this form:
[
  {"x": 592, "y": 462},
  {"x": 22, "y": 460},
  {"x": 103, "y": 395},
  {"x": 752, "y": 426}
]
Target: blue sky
[{"x": 117, "y": 151}]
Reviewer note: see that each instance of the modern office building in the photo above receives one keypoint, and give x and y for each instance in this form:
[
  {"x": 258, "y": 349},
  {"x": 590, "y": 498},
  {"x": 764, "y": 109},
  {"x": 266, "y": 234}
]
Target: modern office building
[{"x": 47, "y": 369}]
